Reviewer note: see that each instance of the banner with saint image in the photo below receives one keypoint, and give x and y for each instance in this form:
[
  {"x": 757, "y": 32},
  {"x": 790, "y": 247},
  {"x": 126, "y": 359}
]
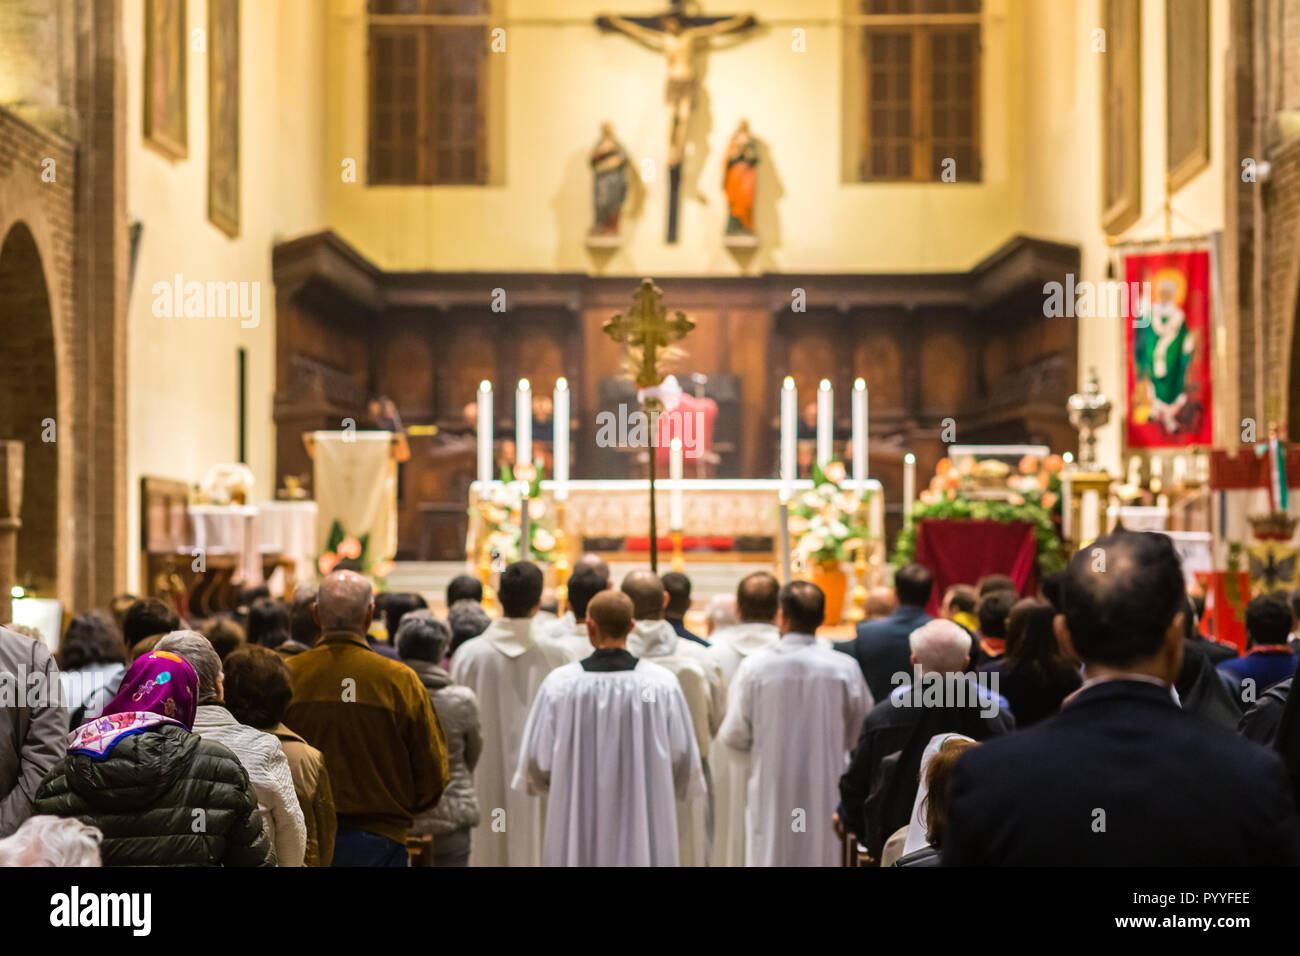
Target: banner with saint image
[{"x": 1167, "y": 354}]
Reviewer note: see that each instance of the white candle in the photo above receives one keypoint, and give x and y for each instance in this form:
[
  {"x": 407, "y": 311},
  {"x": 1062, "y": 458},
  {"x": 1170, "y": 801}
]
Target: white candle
[
  {"x": 484, "y": 436},
  {"x": 524, "y": 423},
  {"x": 789, "y": 438},
  {"x": 1067, "y": 506},
  {"x": 1089, "y": 519},
  {"x": 561, "y": 439},
  {"x": 675, "y": 473},
  {"x": 909, "y": 485},
  {"x": 860, "y": 435},
  {"x": 825, "y": 422}
]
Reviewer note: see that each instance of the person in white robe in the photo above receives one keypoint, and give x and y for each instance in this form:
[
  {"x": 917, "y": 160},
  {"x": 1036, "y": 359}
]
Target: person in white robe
[
  {"x": 797, "y": 708},
  {"x": 609, "y": 740},
  {"x": 654, "y": 638},
  {"x": 570, "y": 625},
  {"x": 756, "y": 604},
  {"x": 504, "y": 666},
  {"x": 583, "y": 585}
]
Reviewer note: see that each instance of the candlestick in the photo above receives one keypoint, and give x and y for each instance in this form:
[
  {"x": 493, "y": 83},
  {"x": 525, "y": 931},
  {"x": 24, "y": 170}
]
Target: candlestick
[
  {"x": 789, "y": 438},
  {"x": 525, "y": 524},
  {"x": 825, "y": 422},
  {"x": 1067, "y": 504},
  {"x": 909, "y": 485},
  {"x": 860, "y": 435},
  {"x": 524, "y": 423},
  {"x": 1089, "y": 520},
  {"x": 678, "y": 561},
  {"x": 484, "y": 437},
  {"x": 784, "y": 538},
  {"x": 561, "y": 429},
  {"x": 675, "y": 470}
]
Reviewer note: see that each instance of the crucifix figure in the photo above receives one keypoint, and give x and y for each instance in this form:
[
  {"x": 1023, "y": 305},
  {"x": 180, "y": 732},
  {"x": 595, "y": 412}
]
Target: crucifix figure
[{"x": 679, "y": 37}]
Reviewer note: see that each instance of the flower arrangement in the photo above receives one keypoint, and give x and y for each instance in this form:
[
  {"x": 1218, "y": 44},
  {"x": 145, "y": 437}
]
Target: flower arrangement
[
  {"x": 341, "y": 546},
  {"x": 992, "y": 490},
  {"x": 519, "y": 487},
  {"x": 827, "y": 522}
]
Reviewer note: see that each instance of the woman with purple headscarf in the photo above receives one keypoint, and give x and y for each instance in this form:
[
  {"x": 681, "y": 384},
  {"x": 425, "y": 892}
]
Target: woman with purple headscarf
[{"x": 161, "y": 795}]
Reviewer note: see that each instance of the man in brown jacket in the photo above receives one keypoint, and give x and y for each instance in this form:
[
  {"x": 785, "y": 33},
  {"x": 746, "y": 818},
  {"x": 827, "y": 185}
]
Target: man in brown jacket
[{"x": 372, "y": 719}]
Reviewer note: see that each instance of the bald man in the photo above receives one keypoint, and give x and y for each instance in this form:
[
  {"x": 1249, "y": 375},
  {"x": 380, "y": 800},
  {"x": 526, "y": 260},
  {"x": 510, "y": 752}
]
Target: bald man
[
  {"x": 609, "y": 739},
  {"x": 372, "y": 719}
]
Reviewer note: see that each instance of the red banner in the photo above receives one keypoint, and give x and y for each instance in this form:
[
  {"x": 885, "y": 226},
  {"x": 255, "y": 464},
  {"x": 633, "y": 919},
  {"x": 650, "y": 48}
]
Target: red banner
[{"x": 1168, "y": 350}]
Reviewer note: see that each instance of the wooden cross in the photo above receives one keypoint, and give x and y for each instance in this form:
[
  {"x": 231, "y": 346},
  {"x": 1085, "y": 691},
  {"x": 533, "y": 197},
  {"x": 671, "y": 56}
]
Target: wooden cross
[{"x": 679, "y": 36}]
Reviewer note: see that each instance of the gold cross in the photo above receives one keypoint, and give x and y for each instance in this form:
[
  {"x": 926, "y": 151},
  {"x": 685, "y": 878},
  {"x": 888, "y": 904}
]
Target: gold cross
[{"x": 646, "y": 329}]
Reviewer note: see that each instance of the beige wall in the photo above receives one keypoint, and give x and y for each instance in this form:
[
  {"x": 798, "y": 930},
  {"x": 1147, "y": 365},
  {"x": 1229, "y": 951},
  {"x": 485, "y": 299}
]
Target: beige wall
[{"x": 182, "y": 406}]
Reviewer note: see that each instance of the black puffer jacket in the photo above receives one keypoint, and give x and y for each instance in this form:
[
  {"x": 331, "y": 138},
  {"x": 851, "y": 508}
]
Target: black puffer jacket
[{"x": 165, "y": 797}]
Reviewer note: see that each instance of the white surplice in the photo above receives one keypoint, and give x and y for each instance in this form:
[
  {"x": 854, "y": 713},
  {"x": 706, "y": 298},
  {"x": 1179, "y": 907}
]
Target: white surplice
[
  {"x": 505, "y": 666},
  {"x": 570, "y": 635},
  {"x": 797, "y": 708},
  {"x": 729, "y": 768},
  {"x": 701, "y": 681},
  {"x": 615, "y": 750}
]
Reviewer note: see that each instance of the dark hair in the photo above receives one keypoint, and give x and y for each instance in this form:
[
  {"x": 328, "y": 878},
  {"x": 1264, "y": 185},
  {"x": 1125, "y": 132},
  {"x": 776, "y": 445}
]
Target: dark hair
[
  {"x": 1268, "y": 620},
  {"x": 422, "y": 637},
  {"x": 584, "y": 585},
  {"x": 804, "y": 606},
  {"x": 268, "y": 623},
  {"x": 250, "y": 596},
  {"x": 993, "y": 610},
  {"x": 302, "y": 619},
  {"x": 520, "y": 589},
  {"x": 119, "y": 605},
  {"x": 995, "y": 582},
  {"x": 148, "y": 617},
  {"x": 678, "y": 587},
  {"x": 1053, "y": 589},
  {"x": 225, "y": 635},
  {"x": 258, "y": 686},
  {"x": 91, "y": 638},
  {"x": 938, "y": 774},
  {"x": 1121, "y": 594},
  {"x": 1295, "y": 604},
  {"x": 1032, "y": 644},
  {"x": 758, "y": 596},
  {"x": 463, "y": 587},
  {"x": 397, "y": 607},
  {"x": 913, "y": 584},
  {"x": 467, "y": 619},
  {"x": 961, "y": 598}
]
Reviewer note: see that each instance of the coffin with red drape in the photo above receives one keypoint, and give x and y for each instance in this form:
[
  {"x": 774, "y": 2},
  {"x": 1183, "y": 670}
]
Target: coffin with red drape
[{"x": 963, "y": 551}]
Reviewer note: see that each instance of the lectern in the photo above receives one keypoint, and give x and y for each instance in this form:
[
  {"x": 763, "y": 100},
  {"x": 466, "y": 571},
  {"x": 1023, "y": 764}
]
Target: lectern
[{"x": 354, "y": 476}]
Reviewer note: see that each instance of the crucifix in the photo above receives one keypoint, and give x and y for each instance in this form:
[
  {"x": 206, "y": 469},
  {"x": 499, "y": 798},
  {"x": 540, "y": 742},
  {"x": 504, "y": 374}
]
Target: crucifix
[
  {"x": 649, "y": 336},
  {"x": 679, "y": 36}
]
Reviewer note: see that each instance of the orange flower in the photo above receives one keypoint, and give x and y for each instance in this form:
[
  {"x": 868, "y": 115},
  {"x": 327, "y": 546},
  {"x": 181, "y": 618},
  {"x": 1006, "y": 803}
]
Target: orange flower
[
  {"x": 1049, "y": 500},
  {"x": 327, "y": 562},
  {"x": 1054, "y": 463},
  {"x": 525, "y": 472},
  {"x": 382, "y": 569},
  {"x": 1028, "y": 465},
  {"x": 952, "y": 483},
  {"x": 350, "y": 548},
  {"x": 1016, "y": 499},
  {"x": 835, "y": 472},
  {"x": 943, "y": 466},
  {"x": 536, "y": 508},
  {"x": 928, "y": 497}
]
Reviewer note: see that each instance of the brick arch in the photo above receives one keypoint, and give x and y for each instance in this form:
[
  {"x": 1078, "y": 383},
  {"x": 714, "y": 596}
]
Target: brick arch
[{"x": 29, "y": 400}]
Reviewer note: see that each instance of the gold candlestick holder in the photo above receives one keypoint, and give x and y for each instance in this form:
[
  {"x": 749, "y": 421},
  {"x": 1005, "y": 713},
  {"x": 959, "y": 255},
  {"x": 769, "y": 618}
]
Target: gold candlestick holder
[
  {"x": 858, "y": 597},
  {"x": 485, "y": 557},
  {"x": 561, "y": 563},
  {"x": 678, "y": 561}
]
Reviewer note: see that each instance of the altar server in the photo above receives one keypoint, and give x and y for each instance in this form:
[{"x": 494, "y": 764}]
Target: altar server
[
  {"x": 797, "y": 709},
  {"x": 610, "y": 739},
  {"x": 504, "y": 666}
]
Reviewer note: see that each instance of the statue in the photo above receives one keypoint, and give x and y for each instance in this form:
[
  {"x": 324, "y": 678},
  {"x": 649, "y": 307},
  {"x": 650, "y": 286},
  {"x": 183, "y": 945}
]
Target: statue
[
  {"x": 739, "y": 179},
  {"x": 609, "y": 182}
]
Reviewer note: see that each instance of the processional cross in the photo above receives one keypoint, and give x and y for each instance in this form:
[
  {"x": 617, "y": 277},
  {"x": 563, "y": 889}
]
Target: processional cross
[
  {"x": 648, "y": 334},
  {"x": 679, "y": 36}
]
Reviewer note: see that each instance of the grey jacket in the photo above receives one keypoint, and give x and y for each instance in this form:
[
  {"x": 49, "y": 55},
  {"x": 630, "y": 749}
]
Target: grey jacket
[
  {"x": 457, "y": 709},
  {"x": 33, "y": 724}
]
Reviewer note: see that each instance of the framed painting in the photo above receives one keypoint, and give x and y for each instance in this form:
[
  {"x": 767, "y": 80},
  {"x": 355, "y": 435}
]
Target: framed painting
[
  {"x": 223, "y": 115},
  {"x": 165, "y": 90}
]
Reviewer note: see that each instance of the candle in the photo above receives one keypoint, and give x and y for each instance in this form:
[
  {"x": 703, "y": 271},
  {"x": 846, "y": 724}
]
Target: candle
[
  {"x": 785, "y": 542},
  {"x": 675, "y": 473},
  {"x": 909, "y": 485},
  {"x": 860, "y": 435},
  {"x": 524, "y": 423},
  {"x": 789, "y": 438},
  {"x": 1089, "y": 524},
  {"x": 484, "y": 437},
  {"x": 1067, "y": 505},
  {"x": 561, "y": 439},
  {"x": 825, "y": 422}
]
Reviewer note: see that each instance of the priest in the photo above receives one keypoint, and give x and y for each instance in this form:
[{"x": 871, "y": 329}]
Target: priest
[
  {"x": 504, "y": 666},
  {"x": 610, "y": 739},
  {"x": 796, "y": 708}
]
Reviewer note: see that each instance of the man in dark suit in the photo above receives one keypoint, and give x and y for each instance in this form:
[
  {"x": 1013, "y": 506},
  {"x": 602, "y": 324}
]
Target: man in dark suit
[
  {"x": 881, "y": 647},
  {"x": 1122, "y": 776}
]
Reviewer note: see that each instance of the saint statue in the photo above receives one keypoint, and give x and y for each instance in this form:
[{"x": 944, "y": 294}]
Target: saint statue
[
  {"x": 738, "y": 181},
  {"x": 609, "y": 182}
]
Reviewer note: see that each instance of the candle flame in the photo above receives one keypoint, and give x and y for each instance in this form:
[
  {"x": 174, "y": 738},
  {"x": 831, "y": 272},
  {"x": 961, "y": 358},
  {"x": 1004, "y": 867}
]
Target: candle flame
[
  {"x": 860, "y": 385},
  {"x": 523, "y": 385},
  {"x": 561, "y": 384},
  {"x": 910, "y": 458},
  {"x": 485, "y": 386},
  {"x": 825, "y": 386},
  {"x": 788, "y": 383}
]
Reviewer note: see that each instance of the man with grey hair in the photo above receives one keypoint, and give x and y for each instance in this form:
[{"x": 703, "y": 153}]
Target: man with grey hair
[
  {"x": 372, "y": 719},
  {"x": 260, "y": 753},
  {"x": 46, "y": 840},
  {"x": 939, "y": 696},
  {"x": 467, "y": 619}
]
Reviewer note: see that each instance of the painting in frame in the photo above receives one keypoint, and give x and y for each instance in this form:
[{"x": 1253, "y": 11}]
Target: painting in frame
[
  {"x": 223, "y": 115},
  {"x": 165, "y": 119}
]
